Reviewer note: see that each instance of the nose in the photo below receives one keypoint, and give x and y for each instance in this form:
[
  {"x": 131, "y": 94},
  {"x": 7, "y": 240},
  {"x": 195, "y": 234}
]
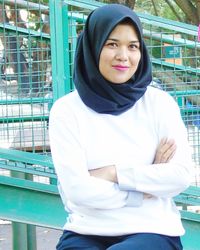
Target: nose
[{"x": 122, "y": 54}]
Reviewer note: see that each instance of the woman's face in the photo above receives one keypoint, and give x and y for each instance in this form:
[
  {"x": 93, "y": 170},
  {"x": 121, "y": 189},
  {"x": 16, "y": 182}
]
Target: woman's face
[{"x": 120, "y": 55}]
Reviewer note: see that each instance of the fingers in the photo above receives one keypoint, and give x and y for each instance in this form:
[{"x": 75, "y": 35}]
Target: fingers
[
  {"x": 147, "y": 196},
  {"x": 169, "y": 153},
  {"x": 165, "y": 151}
]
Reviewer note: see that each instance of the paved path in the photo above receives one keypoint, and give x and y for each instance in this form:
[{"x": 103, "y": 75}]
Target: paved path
[{"x": 46, "y": 238}]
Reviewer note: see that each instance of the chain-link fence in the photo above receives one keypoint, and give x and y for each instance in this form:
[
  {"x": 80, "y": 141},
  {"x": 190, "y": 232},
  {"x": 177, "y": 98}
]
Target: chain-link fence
[{"x": 25, "y": 75}]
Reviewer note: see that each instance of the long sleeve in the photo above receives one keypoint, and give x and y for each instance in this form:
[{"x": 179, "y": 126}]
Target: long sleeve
[
  {"x": 71, "y": 167},
  {"x": 166, "y": 179}
]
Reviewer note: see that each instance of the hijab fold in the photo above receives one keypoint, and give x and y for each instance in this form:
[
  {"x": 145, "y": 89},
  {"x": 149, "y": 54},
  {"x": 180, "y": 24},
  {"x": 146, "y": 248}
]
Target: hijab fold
[{"x": 95, "y": 91}]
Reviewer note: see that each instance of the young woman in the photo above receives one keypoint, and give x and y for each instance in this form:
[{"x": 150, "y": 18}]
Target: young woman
[{"x": 119, "y": 145}]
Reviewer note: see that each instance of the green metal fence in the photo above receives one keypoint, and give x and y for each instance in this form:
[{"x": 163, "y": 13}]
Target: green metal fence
[
  {"x": 37, "y": 70},
  {"x": 25, "y": 75}
]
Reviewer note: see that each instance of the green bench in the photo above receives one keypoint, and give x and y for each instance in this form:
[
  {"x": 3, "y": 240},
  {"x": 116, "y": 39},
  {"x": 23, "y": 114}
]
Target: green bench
[{"x": 25, "y": 199}]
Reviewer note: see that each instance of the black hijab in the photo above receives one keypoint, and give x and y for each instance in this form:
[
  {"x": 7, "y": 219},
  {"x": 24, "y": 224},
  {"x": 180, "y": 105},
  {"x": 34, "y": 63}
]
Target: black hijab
[{"x": 94, "y": 90}]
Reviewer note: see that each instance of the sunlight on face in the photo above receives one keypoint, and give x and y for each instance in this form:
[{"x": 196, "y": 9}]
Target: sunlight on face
[{"x": 120, "y": 55}]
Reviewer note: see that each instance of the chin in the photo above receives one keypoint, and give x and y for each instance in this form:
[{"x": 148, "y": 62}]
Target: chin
[{"x": 119, "y": 82}]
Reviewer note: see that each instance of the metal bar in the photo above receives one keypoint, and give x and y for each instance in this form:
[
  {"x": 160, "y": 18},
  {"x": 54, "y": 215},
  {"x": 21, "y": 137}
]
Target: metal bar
[
  {"x": 28, "y": 170},
  {"x": 31, "y": 229},
  {"x": 169, "y": 24},
  {"x": 19, "y": 240},
  {"x": 192, "y": 190},
  {"x": 21, "y": 204},
  {"x": 86, "y": 4},
  {"x": 27, "y": 4},
  {"x": 175, "y": 66},
  {"x": 19, "y": 230},
  {"x": 189, "y": 110},
  {"x": 187, "y": 215},
  {"x": 60, "y": 49},
  {"x": 77, "y": 17},
  {"x": 31, "y": 237},
  {"x": 24, "y": 236},
  {"x": 185, "y": 93},
  {"x": 24, "y": 118},
  {"x": 25, "y": 101},
  {"x": 190, "y": 196},
  {"x": 191, "y": 240},
  {"x": 28, "y": 185},
  {"x": 19, "y": 30},
  {"x": 188, "y": 200},
  {"x": 26, "y": 157},
  {"x": 174, "y": 41}
]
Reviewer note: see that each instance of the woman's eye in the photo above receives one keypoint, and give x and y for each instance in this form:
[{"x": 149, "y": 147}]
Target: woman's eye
[
  {"x": 134, "y": 46},
  {"x": 112, "y": 45}
]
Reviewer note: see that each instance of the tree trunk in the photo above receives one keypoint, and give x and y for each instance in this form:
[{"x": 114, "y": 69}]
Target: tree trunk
[
  {"x": 198, "y": 9},
  {"x": 154, "y": 6},
  {"x": 129, "y": 3},
  {"x": 178, "y": 16},
  {"x": 189, "y": 9}
]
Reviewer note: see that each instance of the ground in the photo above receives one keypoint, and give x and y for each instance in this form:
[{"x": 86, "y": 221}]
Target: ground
[{"x": 46, "y": 238}]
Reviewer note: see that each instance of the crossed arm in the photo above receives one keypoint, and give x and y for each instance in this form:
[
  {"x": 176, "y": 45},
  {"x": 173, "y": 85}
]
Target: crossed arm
[{"x": 164, "y": 153}]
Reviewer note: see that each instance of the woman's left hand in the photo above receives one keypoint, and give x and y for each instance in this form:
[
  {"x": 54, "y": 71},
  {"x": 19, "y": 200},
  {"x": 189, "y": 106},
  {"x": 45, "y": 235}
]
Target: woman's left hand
[{"x": 165, "y": 151}]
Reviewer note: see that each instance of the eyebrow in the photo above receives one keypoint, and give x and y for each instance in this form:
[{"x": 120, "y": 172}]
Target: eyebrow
[{"x": 116, "y": 40}]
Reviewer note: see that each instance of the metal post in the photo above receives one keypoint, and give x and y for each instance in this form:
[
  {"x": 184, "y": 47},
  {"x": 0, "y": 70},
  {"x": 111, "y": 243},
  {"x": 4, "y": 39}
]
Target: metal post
[
  {"x": 59, "y": 48},
  {"x": 31, "y": 237},
  {"x": 19, "y": 236},
  {"x": 24, "y": 236}
]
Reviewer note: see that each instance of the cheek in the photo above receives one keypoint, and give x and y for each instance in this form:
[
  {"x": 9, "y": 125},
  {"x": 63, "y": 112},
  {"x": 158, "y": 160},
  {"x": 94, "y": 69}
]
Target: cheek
[
  {"x": 135, "y": 59},
  {"x": 101, "y": 66},
  {"x": 103, "y": 61},
  {"x": 104, "y": 57}
]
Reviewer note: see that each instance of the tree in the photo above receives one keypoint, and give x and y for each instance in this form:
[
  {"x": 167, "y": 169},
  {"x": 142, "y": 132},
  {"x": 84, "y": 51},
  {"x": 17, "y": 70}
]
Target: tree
[
  {"x": 182, "y": 10},
  {"x": 191, "y": 9},
  {"x": 130, "y": 3}
]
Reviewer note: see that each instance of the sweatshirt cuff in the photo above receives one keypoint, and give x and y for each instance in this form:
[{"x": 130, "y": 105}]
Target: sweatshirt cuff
[
  {"x": 126, "y": 180},
  {"x": 134, "y": 199}
]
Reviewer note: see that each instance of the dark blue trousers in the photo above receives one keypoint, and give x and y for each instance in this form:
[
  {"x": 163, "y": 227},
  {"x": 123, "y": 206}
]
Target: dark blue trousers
[{"x": 140, "y": 241}]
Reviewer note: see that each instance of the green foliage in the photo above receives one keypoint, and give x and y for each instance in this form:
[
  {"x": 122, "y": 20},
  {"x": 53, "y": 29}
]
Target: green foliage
[
  {"x": 45, "y": 2},
  {"x": 185, "y": 11}
]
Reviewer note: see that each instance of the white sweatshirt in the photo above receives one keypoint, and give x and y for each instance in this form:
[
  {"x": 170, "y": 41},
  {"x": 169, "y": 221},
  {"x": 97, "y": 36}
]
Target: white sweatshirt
[{"x": 82, "y": 139}]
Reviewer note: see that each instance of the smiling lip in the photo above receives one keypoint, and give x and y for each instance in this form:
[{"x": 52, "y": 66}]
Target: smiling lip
[{"x": 120, "y": 67}]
